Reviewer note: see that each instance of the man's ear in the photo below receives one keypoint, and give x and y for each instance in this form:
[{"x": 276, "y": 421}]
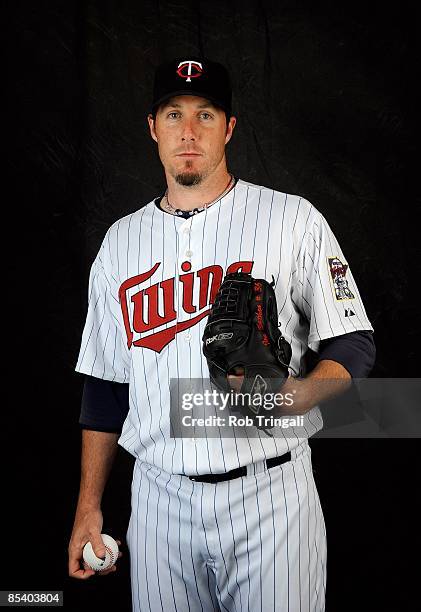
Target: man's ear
[
  {"x": 151, "y": 122},
  {"x": 230, "y": 128}
]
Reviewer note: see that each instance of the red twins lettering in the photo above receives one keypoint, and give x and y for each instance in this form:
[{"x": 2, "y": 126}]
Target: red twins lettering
[{"x": 154, "y": 306}]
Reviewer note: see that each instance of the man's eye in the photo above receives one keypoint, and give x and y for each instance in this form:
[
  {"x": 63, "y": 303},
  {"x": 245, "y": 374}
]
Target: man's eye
[
  {"x": 206, "y": 115},
  {"x": 173, "y": 115}
]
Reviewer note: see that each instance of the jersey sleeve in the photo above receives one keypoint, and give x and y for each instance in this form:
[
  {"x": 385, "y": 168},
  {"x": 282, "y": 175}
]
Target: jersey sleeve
[
  {"x": 325, "y": 290},
  {"x": 103, "y": 352}
]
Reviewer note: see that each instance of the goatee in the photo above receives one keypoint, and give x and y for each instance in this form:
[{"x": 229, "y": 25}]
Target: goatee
[{"x": 188, "y": 179}]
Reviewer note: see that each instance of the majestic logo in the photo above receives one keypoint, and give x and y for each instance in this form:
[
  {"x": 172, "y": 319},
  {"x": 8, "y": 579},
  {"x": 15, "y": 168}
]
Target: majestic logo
[
  {"x": 189, "y": 70},
  {"x": 145, "y": 309},
  {"x": 338, "y": 272}
]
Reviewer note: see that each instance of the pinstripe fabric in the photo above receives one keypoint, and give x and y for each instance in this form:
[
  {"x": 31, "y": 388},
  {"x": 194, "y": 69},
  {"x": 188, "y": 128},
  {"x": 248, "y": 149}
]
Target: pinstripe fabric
[
  {"x": 256, "y": 543},
  {"x": 278, "y": 236}
]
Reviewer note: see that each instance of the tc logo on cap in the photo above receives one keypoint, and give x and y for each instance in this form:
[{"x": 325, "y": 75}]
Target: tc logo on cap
[{"x": 185, "y": 70}]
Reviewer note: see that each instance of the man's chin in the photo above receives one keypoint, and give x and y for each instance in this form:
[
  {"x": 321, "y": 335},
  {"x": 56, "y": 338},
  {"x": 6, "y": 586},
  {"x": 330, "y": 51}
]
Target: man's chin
[{"x": 188, "y": 179}]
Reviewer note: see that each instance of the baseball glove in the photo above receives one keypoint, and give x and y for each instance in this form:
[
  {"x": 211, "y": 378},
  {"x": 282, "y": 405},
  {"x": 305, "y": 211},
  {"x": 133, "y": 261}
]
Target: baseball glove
[{"x": 242, "y": 331}]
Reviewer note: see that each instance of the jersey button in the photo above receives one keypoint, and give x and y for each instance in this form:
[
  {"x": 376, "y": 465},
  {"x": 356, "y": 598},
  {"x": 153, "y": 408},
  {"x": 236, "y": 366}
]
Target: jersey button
[{"x": 189, "y": 253}]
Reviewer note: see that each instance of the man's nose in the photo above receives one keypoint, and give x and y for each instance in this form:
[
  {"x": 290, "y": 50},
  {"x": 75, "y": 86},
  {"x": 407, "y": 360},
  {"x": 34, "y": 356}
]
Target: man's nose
[{"x": 188, "y": 132}]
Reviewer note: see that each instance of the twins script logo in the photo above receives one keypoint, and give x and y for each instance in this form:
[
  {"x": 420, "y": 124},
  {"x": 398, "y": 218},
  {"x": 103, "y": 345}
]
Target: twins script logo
[
  {"x": 147, "y": 308},
  {"x": 185, "y": 70}
]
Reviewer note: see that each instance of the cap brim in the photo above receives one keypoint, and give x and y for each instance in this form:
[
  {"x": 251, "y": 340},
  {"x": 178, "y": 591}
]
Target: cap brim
[{"x": 189, "y": 92}]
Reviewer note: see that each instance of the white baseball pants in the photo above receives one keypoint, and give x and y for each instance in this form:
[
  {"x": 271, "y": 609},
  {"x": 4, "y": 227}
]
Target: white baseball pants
[{"x": 254, "y": 543}]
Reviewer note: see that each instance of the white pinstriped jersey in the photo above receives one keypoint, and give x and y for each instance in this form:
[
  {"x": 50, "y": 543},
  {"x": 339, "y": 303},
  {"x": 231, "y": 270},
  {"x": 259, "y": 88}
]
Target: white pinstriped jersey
[{"x": 150, "y": 290}]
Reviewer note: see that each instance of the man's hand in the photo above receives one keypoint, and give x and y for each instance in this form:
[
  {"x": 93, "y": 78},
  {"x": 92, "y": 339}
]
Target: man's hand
[
  {"x": 98, "y": 452},
  {"x": 87, "y": 528},
  {"x": 327, "y": 380},
  {"x": 236, "y": 379},
  {"x": 291, "y": 385}
]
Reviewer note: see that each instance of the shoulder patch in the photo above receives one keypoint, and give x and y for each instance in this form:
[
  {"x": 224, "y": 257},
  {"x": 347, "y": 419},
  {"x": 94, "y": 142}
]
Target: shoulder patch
[{"x": 338, "y": 271}]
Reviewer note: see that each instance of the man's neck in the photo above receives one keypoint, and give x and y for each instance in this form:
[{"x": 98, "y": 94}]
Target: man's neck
[{"x": 188, "y": 198}]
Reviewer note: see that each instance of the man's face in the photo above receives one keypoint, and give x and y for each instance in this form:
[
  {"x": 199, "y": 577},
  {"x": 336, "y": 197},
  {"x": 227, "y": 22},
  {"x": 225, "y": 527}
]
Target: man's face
[{"x": 191, "y": 134}]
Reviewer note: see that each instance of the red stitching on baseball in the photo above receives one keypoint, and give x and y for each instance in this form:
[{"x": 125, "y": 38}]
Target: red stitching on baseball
[{"x": 111, "y": 553}]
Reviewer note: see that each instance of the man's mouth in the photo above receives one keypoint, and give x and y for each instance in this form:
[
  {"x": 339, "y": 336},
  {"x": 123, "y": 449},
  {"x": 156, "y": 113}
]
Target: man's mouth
[{"x": 189, "y": 154}]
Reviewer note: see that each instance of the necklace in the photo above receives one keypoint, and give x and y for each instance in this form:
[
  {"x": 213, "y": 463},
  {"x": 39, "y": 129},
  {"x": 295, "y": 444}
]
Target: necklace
[{"x": 178, "y": 212}]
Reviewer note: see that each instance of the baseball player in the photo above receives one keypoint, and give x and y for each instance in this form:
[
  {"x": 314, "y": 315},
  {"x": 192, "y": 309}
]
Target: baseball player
[{"x": 217, "y": 523}]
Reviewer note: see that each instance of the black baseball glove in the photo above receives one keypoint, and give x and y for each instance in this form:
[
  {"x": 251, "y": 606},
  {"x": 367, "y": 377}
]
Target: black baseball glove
[{"x": 242, "y": 331}]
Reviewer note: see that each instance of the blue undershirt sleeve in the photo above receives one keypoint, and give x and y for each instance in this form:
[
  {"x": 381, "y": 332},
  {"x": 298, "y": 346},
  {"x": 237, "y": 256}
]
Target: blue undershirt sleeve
[
  {"x": 105, "y": 405},
  {"x": 355, "y": 351}
]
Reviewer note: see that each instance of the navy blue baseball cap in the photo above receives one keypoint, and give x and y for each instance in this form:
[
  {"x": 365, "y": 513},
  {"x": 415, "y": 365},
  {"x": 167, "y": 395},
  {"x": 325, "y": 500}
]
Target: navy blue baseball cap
[{"x": 193, "y": 76}]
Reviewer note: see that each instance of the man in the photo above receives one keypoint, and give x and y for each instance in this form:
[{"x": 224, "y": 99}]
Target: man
[{"x": 231, "y": 523}]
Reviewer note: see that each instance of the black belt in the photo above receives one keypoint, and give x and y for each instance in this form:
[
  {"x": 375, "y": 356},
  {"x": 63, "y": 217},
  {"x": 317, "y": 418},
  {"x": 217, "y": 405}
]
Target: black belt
[{"x": 241, "y": 471}]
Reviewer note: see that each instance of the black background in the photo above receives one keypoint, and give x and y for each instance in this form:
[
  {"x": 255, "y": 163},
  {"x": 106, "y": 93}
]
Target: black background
[{"x": 324, "y": 97}]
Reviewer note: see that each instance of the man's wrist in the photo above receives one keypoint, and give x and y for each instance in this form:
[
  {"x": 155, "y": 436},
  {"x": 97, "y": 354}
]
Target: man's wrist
[
  {"x": 87, "y": 507},
  {"x": 322, "y": 384},
  {"x": 88, "y": 501},
  {"x": 298, "y": 396}
]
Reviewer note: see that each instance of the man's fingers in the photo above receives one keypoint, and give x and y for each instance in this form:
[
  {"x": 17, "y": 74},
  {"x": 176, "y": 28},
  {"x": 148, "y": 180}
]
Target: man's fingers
[
  {"x": 109, "y": 570},
  {"x": 98, "y": 545},
  {"x": 75, "y": 570},
  {"x": 106, "y": 571},
  {"x": 83, "y": 574},
  {"x": 74, "y": 566},
  {"x": 235, "y": 381},
  {"x": 237, "y": 371},
  {"x": 76, "y": 559}
]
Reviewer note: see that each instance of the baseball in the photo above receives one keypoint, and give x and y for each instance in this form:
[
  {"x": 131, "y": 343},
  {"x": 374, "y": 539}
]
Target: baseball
[{"x": 111, "y": 554}]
